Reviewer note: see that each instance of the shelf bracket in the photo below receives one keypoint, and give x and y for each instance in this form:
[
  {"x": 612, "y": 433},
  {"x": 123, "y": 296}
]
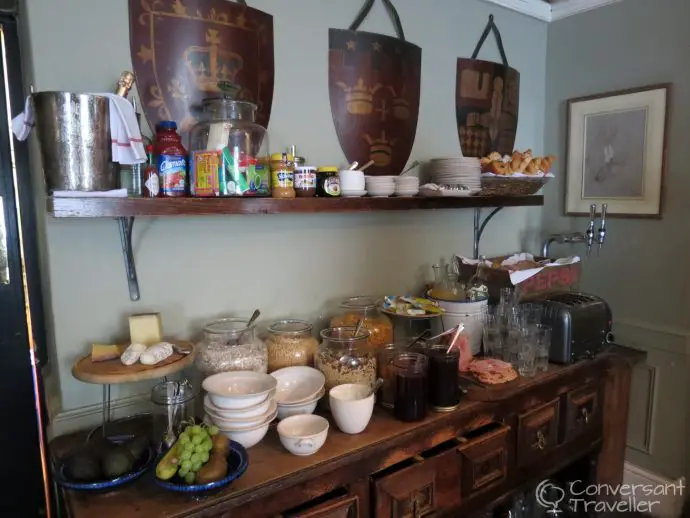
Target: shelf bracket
[
  {"x": 126, "y": 224},
  {"x": 479, "y": 227}
]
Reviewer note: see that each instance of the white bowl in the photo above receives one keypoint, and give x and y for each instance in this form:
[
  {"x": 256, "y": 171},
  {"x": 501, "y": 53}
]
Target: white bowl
[
  {"x": 303, "y": 434},
  {"x": 238, "y": 389},
  {"x": 297, "y": 384},
  {"x": 247, "y": 422},
  {"x": 351, "y": 406},
  {"x": 307, "y": 407},
  {"x": 247, "y": 438},
  {"x": 252, "y": 411}
]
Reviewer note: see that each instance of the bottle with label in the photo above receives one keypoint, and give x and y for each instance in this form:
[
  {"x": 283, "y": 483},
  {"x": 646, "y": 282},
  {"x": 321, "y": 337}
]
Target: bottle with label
[
  {"x": 124, "y": 84},
  {"x": 328, "y": 182},
  {"x": 171, "y": 160},
  {"x": 282, "y": 173},
  {"x": 149, "y": 181}
]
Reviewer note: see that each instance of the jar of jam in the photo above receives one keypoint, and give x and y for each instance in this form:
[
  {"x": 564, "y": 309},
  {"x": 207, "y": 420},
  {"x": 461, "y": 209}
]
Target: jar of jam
[
  {"x": 411, "y": 386},
  {"x": 282, "y": 175},
  {"x": 305, "y": 181},
  {"x": 328, "y": 182},
  {"x": 171, "y": 160}
]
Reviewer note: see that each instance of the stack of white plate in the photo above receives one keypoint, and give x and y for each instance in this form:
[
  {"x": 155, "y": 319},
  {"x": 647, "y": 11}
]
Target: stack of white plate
[
  {"x": 406, "y": 185},
  {"x": 456, "y": 171},
  {"x": 380, "y": 186}
]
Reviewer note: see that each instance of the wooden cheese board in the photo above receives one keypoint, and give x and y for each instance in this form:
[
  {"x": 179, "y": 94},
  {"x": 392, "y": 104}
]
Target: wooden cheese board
[{"x": 113, "y": 372}]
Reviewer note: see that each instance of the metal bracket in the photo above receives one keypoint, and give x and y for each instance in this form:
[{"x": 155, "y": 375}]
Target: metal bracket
[
  {"x": 479, "y": 226},
  {"x": 126, "y": 224}
]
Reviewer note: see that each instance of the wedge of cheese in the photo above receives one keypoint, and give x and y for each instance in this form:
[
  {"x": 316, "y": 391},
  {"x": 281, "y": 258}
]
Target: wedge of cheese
[
  {"x": 145, "y": 329},
  {"x": 105, "y": 352}
]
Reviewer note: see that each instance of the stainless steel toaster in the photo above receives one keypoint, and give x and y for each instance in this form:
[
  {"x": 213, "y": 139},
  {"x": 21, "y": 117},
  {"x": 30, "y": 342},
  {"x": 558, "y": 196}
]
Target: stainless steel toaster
[{"x": 580, "y": 323}]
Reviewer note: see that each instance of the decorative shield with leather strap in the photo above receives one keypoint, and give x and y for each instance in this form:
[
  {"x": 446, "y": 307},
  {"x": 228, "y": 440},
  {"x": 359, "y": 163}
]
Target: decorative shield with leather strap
[
  {"x": 487, "y": 98},
  {"x": 374, "y": 86},
  {"x": 183, "y": 49}
]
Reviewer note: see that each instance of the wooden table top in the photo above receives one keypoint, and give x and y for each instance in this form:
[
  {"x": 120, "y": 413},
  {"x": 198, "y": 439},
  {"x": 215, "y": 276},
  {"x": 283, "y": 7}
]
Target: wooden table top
[{"x": 270, "y": 464}]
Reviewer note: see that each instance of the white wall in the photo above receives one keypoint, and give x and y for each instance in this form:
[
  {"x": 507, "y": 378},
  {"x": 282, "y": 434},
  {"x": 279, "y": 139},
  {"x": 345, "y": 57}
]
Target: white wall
[{"x": 191, "y": 269}]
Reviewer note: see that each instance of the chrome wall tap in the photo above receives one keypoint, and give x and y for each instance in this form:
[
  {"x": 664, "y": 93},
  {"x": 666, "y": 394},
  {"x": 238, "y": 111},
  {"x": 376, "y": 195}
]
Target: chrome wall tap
[
  {"x": 602, "y": 228},
  {"x": 590, "y": 229},
  {"x": 588, "y": 238}
]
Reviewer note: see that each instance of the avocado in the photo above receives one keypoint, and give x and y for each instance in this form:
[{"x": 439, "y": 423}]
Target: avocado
[
  {"x": 83, "y": 467},
  {"x": 137, "y": 446},
  {"x": 117, "y": 462}
]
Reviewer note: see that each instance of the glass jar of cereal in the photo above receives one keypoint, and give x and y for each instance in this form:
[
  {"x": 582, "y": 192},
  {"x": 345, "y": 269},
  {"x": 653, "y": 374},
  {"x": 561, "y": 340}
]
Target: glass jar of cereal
[
  {"x": 344, "y": 358},
  {"x": 366, "y": 308},
  {"x": 229, "y": 345},
  {"x": 290, "y": 343}
]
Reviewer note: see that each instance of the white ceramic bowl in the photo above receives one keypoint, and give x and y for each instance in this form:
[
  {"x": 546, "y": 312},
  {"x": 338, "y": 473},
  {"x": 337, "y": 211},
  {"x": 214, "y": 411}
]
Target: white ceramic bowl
[
  {"x": 238, "y": 389},
  {"x": 303, "y": 434},
  {"x": 307, "y": 407},
  {"x": 351, "y": 406},
  {"x": 247, "y": 437},
  {"x": 297, "y": 384},
  {"x": 252, "y": 411},
  {"x": 247, "y": 422}
]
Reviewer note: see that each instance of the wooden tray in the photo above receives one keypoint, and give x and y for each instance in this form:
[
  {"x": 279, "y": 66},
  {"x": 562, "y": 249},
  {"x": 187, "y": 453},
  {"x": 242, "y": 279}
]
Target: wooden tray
[{"x": 112, "y": 372}]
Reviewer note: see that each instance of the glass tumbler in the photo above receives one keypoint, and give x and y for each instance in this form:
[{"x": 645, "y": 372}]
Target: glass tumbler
[
  {"x": 411, "y": 386},
  {"x": 493, "y": 336},
  {"x": 173, "y": 403},
  {"x": 526, "y": 352},
  {"x": 543, "y": 347},
  {"x": 444, "y": 386}
]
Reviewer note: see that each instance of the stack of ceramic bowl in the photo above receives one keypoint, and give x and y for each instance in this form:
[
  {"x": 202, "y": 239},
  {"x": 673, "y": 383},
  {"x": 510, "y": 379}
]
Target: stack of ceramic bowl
[
  {"x": 352, "y": 184},
  {"x": 406, "y": 185},
  {"x": 457, "y": 171},
  {"x": 298, "y": 390},
  {"x": 380, "y": 186},
  {"x": 241, "y": 404}
]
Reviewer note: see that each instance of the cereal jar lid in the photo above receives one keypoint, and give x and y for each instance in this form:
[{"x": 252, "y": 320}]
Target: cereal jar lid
[{"x": 290, "y": 327}]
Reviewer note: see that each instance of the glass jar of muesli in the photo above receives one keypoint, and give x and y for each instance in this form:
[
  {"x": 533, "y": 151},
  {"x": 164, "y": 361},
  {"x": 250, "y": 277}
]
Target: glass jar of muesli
[
  {"x": 229, "y": 345},
  {"x": 344, "y": 358}
]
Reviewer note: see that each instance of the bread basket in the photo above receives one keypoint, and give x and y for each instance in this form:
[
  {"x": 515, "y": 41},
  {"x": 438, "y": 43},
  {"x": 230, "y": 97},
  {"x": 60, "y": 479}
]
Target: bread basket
[{"x": 493, "y": 185}]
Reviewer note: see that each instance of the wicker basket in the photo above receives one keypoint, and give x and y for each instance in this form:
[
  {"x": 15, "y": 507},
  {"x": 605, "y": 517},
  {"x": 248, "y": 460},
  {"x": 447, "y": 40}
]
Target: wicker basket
[{"x": 511, "y": 186}]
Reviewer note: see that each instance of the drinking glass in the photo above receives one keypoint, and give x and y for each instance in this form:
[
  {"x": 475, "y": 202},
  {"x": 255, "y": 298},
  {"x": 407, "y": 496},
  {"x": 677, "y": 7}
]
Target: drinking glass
[
  {"x": 527, "y": 352},
  {"x": 533, "y": 313},
  {"x": 493, "y": 336},
  {"x": 507, "y": 296},
  {"x": 543, "y": 346}
]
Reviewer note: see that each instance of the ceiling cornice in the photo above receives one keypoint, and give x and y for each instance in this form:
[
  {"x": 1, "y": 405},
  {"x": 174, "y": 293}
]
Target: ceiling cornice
[{"x": 550, "y": 12}]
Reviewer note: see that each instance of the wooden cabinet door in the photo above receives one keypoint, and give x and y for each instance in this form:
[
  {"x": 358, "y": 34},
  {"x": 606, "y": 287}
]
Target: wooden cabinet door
[
  {"x": 484, "y": 459},
  {"x": 537, "y": 432},
  {"x": 583, "y": 411},
  {"x": 344, "y": 507}
]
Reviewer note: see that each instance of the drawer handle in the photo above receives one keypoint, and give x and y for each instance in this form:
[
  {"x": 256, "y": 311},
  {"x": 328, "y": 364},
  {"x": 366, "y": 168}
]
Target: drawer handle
[
  {"x": 415, "y": 507},
  {"x": 584, "y": 414},
  {"x": 541, "y": 440}
]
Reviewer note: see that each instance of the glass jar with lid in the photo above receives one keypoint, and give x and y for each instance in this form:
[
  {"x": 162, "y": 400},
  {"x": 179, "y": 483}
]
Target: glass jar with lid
[
  {"x": 228, "y": 150},
  {"x": 283, "y": 175},
  {"x": 368, "y": 309},
  {"x": 344, "y": 358},
  {"x": 229, "y": 345},
  {"x": 290, "y": 343}
]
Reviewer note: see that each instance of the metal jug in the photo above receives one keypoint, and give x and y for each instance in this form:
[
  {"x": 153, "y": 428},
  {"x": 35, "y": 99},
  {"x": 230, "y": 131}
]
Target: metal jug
[{"x": 74, "y": 137}]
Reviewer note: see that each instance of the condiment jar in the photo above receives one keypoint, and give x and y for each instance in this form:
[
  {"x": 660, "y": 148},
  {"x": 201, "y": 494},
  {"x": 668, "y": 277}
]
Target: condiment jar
[
  {"x": 367, "y": 309},
  {"x": 444, "y": 387},
  {"x": 305, "y": 181},
  {"x": 290, "y": 343},
  {"x": 344, "y": 358},
  {"x": 328, "y": 182},
  {"x": 411, "y": 386},
  {"x": 386, "y": 356},
  {"x": 282, "y": 175},
  {"x": 229, "y": 345}
]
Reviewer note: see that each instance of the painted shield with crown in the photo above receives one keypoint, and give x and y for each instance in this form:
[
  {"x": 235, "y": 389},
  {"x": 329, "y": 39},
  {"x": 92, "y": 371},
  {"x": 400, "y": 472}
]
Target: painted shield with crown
[
  {"x": 374, "y": 87},
  {"x": 182, "y": 49}
]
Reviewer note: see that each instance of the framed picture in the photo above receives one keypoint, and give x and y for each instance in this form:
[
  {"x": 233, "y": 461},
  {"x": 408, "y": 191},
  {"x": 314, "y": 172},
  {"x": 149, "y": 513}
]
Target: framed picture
[{"x": 617, "y": 151}]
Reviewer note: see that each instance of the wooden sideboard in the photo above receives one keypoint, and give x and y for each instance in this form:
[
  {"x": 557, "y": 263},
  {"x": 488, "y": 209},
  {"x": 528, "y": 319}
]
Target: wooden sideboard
[{"x": 570, "y": 420}]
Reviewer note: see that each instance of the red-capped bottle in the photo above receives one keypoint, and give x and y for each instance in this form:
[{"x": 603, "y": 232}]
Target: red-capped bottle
[
  {"x": 171, "y": 160},
  {"x": 150, "y": 186}
]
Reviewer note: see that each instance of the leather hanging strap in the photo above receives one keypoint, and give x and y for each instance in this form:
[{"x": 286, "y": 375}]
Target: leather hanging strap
[
  {"x": 392, "y": 12},
  {"x": 491, "y": 27}
]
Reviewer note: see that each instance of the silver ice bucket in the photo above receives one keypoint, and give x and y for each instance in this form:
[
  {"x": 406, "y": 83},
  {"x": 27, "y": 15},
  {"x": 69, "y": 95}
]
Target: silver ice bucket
[{"x": 74, "y": 137}]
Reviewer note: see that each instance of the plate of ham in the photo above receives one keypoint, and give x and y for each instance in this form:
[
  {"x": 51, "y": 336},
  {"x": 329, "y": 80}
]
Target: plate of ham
[{"x": 491, "y": 371}]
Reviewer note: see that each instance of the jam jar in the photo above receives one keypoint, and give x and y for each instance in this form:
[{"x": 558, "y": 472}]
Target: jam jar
[
  {"x": 305, "y": 181},
  {"x": 367, "y": 308},
  {"x": 328, "y": 182}
]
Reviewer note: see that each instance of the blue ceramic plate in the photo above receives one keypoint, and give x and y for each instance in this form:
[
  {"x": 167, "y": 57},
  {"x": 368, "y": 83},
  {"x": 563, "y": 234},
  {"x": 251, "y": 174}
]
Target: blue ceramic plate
[
  {"x": 65, "y": 481},
  {"x": 237, "y": 465}
]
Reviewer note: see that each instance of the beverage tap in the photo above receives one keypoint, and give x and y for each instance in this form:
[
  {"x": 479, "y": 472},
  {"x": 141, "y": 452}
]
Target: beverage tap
[
  {"x": 602, "y": 228},
  {"x": 589, "y": 235}
]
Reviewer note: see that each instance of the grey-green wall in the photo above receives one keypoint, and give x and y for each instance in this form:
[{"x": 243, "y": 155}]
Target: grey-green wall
[{"x": 643, "y": 270}]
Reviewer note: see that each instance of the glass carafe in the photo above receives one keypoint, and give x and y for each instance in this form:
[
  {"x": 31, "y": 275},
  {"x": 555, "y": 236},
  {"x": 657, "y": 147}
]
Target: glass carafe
[
  {"x": 344, "y": 358},
  {"x": 445, "y": 286},
  {"x": 368, "y": 309},
  {"x": 229, "y": 152}
]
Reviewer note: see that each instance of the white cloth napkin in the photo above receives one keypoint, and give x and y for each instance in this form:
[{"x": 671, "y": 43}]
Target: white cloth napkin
[
  {"x": 24, "y": 122},
  {"x": 127, "y": 144},
  {"x": 115, "y": 193}
]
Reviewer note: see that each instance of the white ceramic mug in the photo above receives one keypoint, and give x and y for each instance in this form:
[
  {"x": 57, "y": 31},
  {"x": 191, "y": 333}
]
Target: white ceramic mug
[
  {"x": 351, "y": 180},
  {"x": 351, "y": 406}
]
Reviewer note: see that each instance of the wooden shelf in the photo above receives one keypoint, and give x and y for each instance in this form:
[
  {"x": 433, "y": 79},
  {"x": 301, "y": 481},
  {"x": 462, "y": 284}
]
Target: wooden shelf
[{"x": 126, "y": 207}]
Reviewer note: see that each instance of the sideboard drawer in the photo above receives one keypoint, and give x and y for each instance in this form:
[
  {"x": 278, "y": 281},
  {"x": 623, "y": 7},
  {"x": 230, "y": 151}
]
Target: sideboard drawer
[
  {"x": 343, "y": 507},
  {"x": 484, "y": 458},
  {"x": 537, "y": 432},
  {"x": 583, "y": 411}
]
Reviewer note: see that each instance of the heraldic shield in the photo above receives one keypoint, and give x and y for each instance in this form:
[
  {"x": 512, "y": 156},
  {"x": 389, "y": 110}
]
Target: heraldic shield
[
  {"x": 182, "y": 49},
  {"x": 374, "y": 87},
  {"x": 487, "y": 99}
]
